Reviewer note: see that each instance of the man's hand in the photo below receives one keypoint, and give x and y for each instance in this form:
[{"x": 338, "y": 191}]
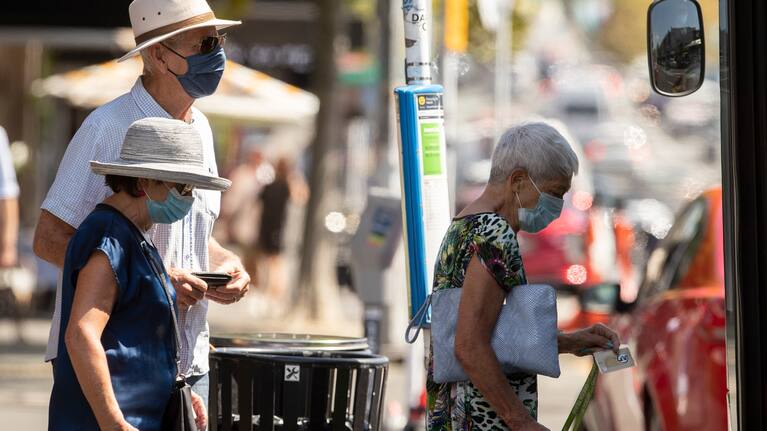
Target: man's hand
[
  {"x": 189, "y": 289},
  {"x": 235, "y": 289},
  {"x": 587, "y": 341},
  {"x": 198, "y": 405}
]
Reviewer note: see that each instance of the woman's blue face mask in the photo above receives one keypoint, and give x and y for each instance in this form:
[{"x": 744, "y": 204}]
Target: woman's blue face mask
[
  {"x": 548, "y": 209},
  {"x": 174, "y": 208}
]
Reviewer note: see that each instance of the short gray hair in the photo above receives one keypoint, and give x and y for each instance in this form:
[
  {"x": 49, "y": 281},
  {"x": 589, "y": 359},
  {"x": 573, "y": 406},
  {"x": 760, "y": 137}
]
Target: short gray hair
[
  {"x": 537, "y": 148},
  {"x": 147, "y": 61},
  {"x": 172, "y": 41}
]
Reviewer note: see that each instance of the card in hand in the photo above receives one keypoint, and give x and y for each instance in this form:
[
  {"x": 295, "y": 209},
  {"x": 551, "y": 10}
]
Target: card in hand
[{"x": 608, "y": 361}]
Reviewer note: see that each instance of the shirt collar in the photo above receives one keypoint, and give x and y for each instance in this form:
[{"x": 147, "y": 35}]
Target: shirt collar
[{"x": 146, "y": 102}]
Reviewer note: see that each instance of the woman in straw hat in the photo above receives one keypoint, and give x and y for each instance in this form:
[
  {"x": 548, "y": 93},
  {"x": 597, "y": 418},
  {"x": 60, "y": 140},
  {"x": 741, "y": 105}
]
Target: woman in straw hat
[{"x": 118, "y": 360}]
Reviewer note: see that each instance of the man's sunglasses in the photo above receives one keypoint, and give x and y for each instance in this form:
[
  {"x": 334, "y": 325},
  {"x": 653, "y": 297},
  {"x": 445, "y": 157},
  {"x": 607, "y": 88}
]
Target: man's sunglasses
[
  {"x": 207, "y": 45},
  {"x": 211, "y": 43}
]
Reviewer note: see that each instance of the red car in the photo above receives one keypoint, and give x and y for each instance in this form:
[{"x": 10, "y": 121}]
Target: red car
[{"x": 676, "y": 332}]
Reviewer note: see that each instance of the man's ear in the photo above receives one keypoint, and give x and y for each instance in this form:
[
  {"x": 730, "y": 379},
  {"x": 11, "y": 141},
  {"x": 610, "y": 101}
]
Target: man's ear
[{"x": 156, "y": 56}]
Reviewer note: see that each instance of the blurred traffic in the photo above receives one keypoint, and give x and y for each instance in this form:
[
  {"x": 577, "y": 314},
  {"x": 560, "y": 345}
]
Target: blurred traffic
[{"x": 638, "y": 246}]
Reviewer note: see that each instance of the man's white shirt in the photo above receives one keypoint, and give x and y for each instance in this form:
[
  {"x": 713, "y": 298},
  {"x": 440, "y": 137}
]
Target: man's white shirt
[{"x": 184, "y": 244}]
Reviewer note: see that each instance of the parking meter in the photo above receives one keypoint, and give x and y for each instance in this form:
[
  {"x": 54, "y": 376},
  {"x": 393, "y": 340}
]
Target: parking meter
[
  {"x": 426, "y": 199},
  {"x": 372, "y": 250}
]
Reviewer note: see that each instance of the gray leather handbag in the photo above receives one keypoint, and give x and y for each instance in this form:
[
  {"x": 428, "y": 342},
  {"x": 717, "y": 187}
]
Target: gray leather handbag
[{"x": 524, "y": 339}]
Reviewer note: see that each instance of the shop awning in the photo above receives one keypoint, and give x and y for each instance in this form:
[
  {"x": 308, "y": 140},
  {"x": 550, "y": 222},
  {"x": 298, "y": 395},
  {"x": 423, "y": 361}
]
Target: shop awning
[{"x": 244, "y": 94}]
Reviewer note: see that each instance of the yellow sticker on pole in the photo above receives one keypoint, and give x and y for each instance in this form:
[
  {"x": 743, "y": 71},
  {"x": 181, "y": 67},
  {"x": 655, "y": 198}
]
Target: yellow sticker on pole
[{"x": 457, "y": 25}]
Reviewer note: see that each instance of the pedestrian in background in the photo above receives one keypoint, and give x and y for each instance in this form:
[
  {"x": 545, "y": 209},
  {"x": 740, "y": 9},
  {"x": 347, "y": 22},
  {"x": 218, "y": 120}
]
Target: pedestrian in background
[
  {"x": 183, "y": 56},
  {"x": 240, "y": 212},
  {"x": 118, "y": 361},
  {"x": 274, "y": 199},
  {"x": 9, "y": 236},
  {"x": 9, "y": 206}
]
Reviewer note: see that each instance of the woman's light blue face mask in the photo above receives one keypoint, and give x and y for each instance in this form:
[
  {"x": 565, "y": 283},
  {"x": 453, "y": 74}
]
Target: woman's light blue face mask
[
  {"x": 174, "y": 208},
  {"x": 548, "y": 209}
]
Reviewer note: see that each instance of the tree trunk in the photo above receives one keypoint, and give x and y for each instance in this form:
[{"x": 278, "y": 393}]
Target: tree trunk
[
  {"x": 382, "y": 115},
  {"x": 315, "y": 240}
]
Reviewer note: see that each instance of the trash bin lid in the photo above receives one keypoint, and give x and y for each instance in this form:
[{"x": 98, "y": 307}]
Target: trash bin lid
[
  {"x": 308, "y": 342},
  {"x": 291, "y": 356}
]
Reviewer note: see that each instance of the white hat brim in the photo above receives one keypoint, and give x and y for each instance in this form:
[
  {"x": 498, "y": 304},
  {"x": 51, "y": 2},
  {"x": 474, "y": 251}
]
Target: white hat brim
[
  {"x": 218, "y": 23},
  {"x": 173, "y": 173}
]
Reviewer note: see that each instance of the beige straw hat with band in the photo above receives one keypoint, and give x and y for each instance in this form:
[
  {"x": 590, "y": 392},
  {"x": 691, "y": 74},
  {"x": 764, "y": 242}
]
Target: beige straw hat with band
[
  {"x": 166, "y": 150},
  {"x": 156, "y": 20}
]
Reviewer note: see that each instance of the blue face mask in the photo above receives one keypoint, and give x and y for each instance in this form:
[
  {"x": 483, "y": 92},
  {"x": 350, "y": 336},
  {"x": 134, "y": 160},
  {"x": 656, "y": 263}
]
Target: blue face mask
[
  {"x": 204, "y": 72},
  {"x": 172, "y": 210},
  {"x": 546, "y": 211}
]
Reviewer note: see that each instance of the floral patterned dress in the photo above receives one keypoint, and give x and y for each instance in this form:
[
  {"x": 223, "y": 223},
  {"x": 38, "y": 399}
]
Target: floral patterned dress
[{"x": 460, "y": 406}]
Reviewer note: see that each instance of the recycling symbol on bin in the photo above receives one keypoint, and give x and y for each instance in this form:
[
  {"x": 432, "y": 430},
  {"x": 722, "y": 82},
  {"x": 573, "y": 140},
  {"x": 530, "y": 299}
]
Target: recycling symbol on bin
[{"x": 292, "y": 373}]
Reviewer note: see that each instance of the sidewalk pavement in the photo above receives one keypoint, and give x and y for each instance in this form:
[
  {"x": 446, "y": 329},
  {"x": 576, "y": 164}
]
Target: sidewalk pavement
[{"x": 26, "y": 381}]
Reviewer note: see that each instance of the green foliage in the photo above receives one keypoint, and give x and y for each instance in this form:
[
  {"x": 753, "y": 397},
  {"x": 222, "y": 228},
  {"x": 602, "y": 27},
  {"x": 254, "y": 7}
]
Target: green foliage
[
  {"x": 363, "y": 9},
  {"x": 482, "y": 41},
  {"x": 624, "y": 32},
  {"x": 231, "y": 9}
]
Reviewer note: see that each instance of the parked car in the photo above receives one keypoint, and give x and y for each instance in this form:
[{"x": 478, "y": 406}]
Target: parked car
[{"x": 676, "y": 332}]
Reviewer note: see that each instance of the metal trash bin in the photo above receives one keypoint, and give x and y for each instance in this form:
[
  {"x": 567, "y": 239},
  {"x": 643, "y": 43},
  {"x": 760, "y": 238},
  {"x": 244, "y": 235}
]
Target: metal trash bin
[
  {"x": 270, "y": 342},
  {"x": 306, "y": 390}
]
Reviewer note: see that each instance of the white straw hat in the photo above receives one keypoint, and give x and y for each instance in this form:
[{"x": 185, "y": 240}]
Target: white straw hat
[
  {"x": 156, "y": 20},
  {"x": 163, "y": 149}
]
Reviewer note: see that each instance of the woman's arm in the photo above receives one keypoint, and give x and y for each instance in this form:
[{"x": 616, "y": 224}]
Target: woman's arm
[
  {"x": 481, "y": 302},
  {"x": 95, "y": 296}
]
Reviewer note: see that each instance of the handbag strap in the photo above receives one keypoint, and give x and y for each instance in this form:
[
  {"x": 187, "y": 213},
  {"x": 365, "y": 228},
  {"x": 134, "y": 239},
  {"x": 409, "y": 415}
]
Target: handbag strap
[
  {"x": 156, "y": 268},
  {"x": 417, "y": 322},
  {"x": 575, "y": 418},
  {"x": 159, "y": 274}
]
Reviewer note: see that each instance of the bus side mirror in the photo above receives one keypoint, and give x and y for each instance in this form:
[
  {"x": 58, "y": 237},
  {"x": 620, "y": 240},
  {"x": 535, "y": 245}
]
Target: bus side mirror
[{"x": 675, "y": 47}]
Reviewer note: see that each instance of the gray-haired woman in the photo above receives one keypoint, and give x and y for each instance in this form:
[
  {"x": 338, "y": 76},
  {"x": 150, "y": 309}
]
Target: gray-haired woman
[{"x": 532, "y": 168}]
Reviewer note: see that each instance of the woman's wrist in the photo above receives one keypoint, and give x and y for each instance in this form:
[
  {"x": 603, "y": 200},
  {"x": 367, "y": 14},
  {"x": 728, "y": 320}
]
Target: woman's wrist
[
  {"x": 518, "y": 421},
  {"x": 113, "y": 420}
]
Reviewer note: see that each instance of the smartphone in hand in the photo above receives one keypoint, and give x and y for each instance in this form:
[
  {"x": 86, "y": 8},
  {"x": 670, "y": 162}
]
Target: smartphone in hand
[{"x": 214, "y": 280}]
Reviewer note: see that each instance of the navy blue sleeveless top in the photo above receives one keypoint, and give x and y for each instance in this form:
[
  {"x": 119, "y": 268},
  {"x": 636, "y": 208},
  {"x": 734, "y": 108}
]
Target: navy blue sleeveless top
[{"x": 138, "y": 339}]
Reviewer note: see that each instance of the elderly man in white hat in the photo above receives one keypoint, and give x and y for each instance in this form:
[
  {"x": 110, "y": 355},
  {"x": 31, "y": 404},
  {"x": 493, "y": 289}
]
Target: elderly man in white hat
[{"x": 180, "y": 44}]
